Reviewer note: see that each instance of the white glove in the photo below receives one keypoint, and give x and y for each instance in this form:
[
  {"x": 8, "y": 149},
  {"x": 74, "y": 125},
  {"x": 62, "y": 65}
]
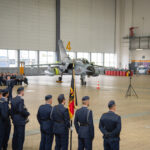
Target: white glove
[{"x": 71, "y": 128}]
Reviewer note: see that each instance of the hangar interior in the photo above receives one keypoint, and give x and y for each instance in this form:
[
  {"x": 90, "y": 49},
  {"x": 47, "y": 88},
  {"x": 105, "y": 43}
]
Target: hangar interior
[{"x": 99, "y": 31}]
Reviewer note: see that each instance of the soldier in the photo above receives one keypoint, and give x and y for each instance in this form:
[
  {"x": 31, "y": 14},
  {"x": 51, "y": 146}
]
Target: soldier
[
  {"x": 1, "y": 79},
  {"x": 61, "y": 126},
  {"x": 84, "y": 125},
  {"x": 110, "y": 126},
  {"x": 46, "y": 124},
  {"x": 2, "y": 117},
  {"x": 7, "y": 124},
  {"x": 10, "y": 85},
  {"x": 25, "y": 79},
  {"x": 20, "y": 118},
  {"x": 3, "y": 121}
]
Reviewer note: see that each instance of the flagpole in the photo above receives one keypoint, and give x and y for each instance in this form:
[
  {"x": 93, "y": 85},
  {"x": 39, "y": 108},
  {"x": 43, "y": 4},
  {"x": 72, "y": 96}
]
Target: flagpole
[
  {"x": 71, "y": 136},
  {"x": 74, "y": 104},
  {"x": 74, "y": 86}
]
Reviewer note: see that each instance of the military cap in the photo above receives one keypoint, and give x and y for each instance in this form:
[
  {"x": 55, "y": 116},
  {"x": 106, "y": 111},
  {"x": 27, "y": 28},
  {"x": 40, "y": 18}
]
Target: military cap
[
  {"x": 61, "y": 97},
  {"x": 47, "y": 97},
  {"x": 111, "y": 103},
  {"x": 20, "y": 89},
  {"x": 85, "y": 98}
]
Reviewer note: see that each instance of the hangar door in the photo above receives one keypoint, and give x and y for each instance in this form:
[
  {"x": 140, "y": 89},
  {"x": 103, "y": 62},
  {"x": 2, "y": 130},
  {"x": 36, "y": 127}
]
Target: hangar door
[
  {"x": 27, "y": 24},
  {"x": 88, "y": 24}
]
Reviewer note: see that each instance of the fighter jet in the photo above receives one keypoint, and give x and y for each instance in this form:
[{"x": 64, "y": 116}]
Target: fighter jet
[{"x": 65, "y": 66}]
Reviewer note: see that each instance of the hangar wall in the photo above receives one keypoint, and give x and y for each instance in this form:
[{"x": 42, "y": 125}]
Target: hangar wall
[
  {"x": 141, "y": 20},
  {"x": 123, "y": 22},
  {"x": 27, "y": 24},
  {"x": 133, "y": 13},
  {"x": 89, "y": 25}
]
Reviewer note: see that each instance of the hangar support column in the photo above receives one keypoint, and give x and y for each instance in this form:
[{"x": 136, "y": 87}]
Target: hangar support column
[
  {"x": 124, "y": 17},
  {"x": 57, "y": 28},
  {"x": 18, "y": 53},
  {"x": 117, "y": 33}
]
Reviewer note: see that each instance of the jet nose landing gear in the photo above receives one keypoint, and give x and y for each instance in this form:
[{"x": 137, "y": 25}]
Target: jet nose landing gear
[{"x": 59, "y": 80}]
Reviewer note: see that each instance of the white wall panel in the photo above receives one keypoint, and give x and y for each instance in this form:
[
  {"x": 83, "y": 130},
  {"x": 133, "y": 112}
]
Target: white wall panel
[
  {"x": 141, "y": 20},
  {"x": 27, "y": 24},
  {"x": 141, "y": 17},
  {"x": 88, "y": 24}
]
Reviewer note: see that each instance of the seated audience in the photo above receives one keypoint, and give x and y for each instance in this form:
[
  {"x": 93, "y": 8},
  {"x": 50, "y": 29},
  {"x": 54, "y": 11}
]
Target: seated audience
[{"x": 18, "y": 79}]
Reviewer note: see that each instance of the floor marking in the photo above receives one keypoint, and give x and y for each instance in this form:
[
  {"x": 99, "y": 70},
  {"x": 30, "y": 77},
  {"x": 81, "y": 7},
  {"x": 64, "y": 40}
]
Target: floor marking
[
  {"x": 30, "y": 91},
  {"x": 136, "y": 115}
]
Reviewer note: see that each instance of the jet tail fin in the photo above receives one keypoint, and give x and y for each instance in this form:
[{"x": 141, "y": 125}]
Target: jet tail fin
[{"x": 63, "y": 54}]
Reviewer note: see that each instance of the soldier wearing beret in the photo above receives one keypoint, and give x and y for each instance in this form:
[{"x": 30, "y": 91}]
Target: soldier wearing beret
[
  {"x": 110, "y": 126},
  {"x": 61, "y": 126},
  {"x": 84, "y": 125},
  {"x": 46, "y": 124},
  {"x": 19, "y": 117}
]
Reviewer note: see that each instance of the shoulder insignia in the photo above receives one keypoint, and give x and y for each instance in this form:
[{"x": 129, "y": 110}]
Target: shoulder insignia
[{"x": 104, "y": 113}]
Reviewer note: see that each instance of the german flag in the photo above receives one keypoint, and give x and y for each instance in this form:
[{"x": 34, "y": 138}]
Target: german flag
[{"x": 72, "y": 96}]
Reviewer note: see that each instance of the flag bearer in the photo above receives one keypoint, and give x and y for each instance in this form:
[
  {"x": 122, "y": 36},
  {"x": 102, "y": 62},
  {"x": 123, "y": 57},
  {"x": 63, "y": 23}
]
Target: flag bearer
[{"x": 84, "y": 125}]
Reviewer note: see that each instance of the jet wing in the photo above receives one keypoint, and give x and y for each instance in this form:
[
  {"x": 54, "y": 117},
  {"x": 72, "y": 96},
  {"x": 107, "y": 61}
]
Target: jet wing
[{"x": 48, "y": 65}]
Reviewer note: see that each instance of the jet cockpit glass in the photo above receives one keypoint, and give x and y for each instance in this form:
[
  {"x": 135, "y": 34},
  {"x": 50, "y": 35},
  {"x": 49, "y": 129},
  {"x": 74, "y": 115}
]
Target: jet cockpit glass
[{"x": 84, "y": 61}]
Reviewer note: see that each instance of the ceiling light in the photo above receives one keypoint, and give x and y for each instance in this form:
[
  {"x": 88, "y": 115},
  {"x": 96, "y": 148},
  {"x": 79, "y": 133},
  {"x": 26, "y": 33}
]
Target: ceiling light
[{"x": 139, "y": 49}]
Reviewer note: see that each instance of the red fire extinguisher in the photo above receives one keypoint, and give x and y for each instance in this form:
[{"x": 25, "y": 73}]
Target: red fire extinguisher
[{"x": 132, "y": 33}]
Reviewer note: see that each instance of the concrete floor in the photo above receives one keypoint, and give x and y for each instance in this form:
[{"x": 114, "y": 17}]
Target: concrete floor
[{"x": 135, "y": 112}]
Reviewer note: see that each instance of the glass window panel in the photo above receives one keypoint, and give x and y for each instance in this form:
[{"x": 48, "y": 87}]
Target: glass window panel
[
  {"x": 107, "y": 60},
  {"x": 24, "y": 54},
  {"x": 94, "y": 57},
  {"x": 97, "y": 58},
  {"x": 87, "y": 56},
  {"x": 51, "y": 57},
  {"x": 32, "y": 57},
  {"x": 12, "y": 58},
  {"x": 3, "y": 58},
  {"x": 112, "y": 64},
  {"x": 29, "y": 57},
  {"x": 110, "y": 60},
  {"x": 115, "y": 60},
  {"x": 8, "y": 58},
  {"x": 43, "y": 57},
  {"x": 72, "y": 55},
  {"x": 3, "y": 52},
  {"x": 79, "y": 55}
]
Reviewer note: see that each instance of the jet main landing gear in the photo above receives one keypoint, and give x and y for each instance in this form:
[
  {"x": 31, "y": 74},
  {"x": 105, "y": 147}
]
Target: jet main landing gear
[{"x": 83, "y": 82}]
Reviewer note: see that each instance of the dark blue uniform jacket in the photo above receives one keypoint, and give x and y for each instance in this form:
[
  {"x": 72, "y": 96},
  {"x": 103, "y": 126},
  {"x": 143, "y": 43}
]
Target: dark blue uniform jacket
[
  {"x": 10, "y": 83},
  {"x": 61, "y": 119},
  {"x": 44, "y": 119},
  {"x": 110, "y": 125},
  {"x": 84, "y": 123},
  {"x": 4, "y": 111},
  {"x": 19, "y": 112}
]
